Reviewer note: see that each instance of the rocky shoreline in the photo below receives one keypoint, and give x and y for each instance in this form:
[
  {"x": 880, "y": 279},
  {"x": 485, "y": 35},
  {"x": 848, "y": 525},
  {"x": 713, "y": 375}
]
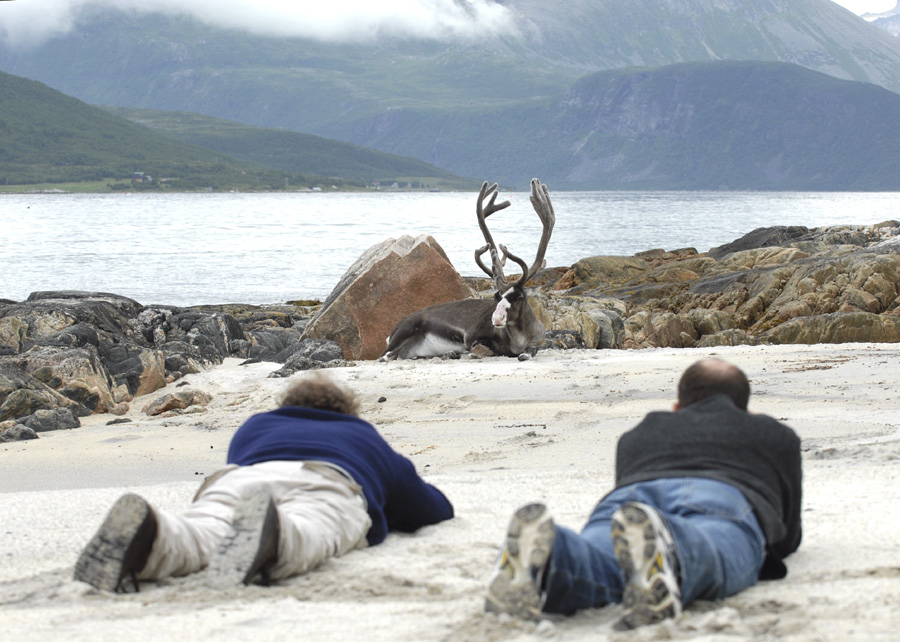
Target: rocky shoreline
[{"x": 65, "y": 355}]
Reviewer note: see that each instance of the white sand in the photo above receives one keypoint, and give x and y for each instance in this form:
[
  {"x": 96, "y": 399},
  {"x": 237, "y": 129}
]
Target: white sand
[{"x": 492, "y": 434}]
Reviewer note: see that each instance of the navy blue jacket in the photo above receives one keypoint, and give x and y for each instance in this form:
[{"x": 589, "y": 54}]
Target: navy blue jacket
[{"x": 398, "y": 499}]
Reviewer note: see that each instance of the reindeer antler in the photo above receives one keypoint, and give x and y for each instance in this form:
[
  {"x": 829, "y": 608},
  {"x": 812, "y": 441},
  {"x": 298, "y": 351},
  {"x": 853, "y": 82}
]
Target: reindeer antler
[
  {"x": 540, "y": 200},
  {"x": 482, "y": 211}
]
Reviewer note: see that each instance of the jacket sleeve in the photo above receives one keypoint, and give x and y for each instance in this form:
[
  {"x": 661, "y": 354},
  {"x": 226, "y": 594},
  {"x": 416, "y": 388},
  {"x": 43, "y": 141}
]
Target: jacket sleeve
[
  {"x": 412, "y": 502},
  {"x": 792, "y": 498}
]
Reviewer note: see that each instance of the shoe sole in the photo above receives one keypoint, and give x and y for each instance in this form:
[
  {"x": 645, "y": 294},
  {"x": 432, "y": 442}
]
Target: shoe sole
[
  {"x": 529, "y": 543},
  {"x": 113, "y": 551},
  {"x": 250, "y": 547},
  {"x": 647, "y": 598}
]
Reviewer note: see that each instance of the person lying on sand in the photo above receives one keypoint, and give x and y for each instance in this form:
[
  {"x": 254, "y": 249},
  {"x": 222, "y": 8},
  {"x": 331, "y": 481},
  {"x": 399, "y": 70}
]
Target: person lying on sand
[
  {"x": 707, "y": 501},
  {"x": 305, "y": 482}
]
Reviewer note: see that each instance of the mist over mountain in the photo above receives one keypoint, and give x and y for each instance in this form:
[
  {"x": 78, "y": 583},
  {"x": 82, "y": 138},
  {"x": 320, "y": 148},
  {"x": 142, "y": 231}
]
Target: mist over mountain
[{"x": 461, "y": 87}]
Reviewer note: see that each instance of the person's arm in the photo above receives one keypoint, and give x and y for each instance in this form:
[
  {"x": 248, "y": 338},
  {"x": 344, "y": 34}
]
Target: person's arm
[
  {"x": 412, "y": 502},
  {"x": 792, "y": 498}
]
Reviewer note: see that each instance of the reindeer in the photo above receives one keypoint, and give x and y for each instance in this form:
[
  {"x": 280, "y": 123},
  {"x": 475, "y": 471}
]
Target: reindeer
[{"x": 505, "y": 325}]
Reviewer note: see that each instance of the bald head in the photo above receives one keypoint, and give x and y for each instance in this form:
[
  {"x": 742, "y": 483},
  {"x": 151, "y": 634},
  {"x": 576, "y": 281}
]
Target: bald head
[{"x": 709, "y": 377}]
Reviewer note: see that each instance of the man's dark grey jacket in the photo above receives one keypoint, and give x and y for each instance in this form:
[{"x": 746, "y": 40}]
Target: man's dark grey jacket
[{"x": 714, "y": 439}]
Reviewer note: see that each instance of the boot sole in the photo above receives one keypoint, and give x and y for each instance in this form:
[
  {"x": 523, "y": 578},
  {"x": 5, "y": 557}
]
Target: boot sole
[
  {"x": 250, "y": 548},
  {"x": 120, "y": 547}
]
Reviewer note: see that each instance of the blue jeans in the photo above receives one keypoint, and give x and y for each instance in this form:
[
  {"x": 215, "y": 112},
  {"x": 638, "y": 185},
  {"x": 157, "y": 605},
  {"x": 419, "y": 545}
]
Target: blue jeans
[{"x": 719, "y": 544}]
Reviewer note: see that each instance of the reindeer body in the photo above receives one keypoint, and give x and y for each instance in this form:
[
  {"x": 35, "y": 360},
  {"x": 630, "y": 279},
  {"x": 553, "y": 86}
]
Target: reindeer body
[{"x": 505, "y": 325}]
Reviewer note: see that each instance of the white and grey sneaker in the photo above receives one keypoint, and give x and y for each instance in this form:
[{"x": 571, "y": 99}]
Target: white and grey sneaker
[
  {"x": 645, "y": 551},
  {"x": 515, "y": 583}
]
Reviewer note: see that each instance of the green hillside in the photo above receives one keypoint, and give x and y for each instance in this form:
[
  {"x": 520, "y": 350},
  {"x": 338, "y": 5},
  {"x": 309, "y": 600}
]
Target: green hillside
[
  {"x": 292, "y": 151},
  {"x": 50, "y": 138}
]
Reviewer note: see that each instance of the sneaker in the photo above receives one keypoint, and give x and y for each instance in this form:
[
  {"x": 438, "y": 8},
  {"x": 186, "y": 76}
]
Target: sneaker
[
  {"x": 645, "y": 552},
  {"x": 251, "y": 549},
  {"x": 515, "y": 583},
  {"x": 121, "y": 547}
]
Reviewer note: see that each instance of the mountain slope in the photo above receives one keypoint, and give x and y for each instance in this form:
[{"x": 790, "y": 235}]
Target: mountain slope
[
  {"x": 477, "y": 108},
  {"x": 48, "y": 137},
  {"x": 713, "y": 125},
  {"x": 286, "y": 150},
  {"x": 180, "y": 64},
  {"x": 734, "y": 125}
]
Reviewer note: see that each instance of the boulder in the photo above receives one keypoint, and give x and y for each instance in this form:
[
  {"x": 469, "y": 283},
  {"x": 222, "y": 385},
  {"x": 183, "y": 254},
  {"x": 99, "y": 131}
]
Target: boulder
[
  {"x": 840, "y": 327},
  {"x": 13, "y": 333},
  {"x": 777, "y": 236},
  {"x": 726, "y": 338},
  {"x": 388, "y": 282},
  {"x": 657, "y": 330},
  {"x": 141, "y": 370},
  {"x": 563, "y": 340},
  {"x": 15, "y": 432},
  {"x": 22, "y": 395},
  {"x": 47, "y": 420},
  {"x": 607, "y": 271},
  {"x": 177, "y": 401},
  {"x": 313, "y": 354},
  {"x": 597, "y": 321},
  {"x": 76, "y": 373},
  {"x": 274, "y": 344}
]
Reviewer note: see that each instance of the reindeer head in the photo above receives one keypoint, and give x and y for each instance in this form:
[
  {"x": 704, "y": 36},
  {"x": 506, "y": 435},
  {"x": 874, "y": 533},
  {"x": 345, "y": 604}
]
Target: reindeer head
[{"x": 509, "y": 294}]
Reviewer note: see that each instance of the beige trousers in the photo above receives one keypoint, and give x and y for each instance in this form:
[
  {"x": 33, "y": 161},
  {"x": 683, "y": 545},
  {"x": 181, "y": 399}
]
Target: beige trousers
[{"x": 321, "y": 511}]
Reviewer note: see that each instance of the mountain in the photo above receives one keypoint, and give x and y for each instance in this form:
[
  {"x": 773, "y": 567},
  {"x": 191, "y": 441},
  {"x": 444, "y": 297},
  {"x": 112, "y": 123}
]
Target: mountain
[
  {"x": 468, "y": 106},
  {"x": 712, "y": 125},
  {"x": 890, "y": 24},
  {"x": 48, "y": 137},
  {"x": 721, "y": 125},
  {"x": 291, "y": 151}
]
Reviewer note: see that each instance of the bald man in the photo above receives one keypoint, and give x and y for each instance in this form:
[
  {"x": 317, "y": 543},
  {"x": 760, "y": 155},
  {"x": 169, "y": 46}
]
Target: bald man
[{"x": 706, "y": 502}]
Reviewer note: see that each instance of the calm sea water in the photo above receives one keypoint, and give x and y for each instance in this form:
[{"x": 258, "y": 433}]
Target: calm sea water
[{"x": 190, "y": 249}]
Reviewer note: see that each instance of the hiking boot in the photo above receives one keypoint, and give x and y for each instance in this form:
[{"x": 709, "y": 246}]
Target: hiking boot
[
  {"x": 251, "y": 549},
  {"x": 645, "y": 551},
  {"x": 120, "y": 547},
  {"x": 515, "y": 583}
]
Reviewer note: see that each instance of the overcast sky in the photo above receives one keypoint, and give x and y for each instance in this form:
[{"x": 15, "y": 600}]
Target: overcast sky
[
  {"x": 30, "y": 21},
  {"x": 860, "y": 7}
]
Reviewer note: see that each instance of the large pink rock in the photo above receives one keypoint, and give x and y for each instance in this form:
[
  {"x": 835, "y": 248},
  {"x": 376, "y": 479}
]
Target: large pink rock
[{"x": 389, "y": 281}]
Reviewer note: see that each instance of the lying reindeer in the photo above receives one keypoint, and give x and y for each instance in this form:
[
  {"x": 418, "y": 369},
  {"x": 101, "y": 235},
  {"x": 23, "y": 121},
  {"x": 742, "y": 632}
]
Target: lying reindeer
[{"x": 505, "y": 325}]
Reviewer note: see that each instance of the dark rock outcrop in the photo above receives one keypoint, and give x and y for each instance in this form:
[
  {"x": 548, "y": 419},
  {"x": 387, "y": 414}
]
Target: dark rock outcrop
[
  {"x": 95, "y": 352},
  {"x": 312, "y": 354}
]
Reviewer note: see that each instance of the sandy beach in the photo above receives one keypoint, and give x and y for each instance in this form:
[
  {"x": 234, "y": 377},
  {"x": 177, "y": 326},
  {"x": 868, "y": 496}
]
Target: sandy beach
[{"x": 492, "y": 434}]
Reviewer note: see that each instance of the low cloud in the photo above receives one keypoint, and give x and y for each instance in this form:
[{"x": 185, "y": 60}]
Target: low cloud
[{"x": 29, "y": 22}]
